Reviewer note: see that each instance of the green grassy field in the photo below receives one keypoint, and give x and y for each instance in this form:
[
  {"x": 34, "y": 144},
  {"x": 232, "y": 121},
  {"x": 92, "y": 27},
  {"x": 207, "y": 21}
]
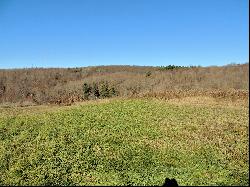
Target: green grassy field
[{"x": 125, "y": 142}]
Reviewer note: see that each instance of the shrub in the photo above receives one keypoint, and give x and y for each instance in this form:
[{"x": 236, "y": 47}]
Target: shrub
[
  {"x": 104, "y": 92},
  {"x": 113, "y": 92},
  {"x": 148, "y": 74},
  {"x": 96, "y": 90},
  {"x": 86, "y": 90}
]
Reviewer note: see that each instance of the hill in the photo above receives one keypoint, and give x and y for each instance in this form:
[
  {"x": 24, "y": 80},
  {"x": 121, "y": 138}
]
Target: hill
[{"x": 37, "y": 86}]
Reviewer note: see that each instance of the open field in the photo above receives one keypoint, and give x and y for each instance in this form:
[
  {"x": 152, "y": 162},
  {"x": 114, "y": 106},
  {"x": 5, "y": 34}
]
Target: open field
[{"x": 196, "y": 140}]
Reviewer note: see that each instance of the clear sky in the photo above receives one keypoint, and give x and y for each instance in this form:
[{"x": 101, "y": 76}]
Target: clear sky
[{"x": 77, "y": 33}]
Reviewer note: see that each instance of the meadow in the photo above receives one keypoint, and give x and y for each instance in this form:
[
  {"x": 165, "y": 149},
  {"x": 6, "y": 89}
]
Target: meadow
[{"x": 137, "y": 141}]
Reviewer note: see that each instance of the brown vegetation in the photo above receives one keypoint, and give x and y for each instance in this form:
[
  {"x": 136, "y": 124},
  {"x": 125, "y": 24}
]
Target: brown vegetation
[{"x": 65, "y": 85}]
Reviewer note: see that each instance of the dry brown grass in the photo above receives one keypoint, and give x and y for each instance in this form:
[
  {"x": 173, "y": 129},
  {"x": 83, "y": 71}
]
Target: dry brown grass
[{"x": 232, "y": 95}]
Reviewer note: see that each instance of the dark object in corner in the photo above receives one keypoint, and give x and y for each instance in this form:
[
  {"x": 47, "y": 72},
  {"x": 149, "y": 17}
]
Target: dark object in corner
[{"x": 170, "y": 182}]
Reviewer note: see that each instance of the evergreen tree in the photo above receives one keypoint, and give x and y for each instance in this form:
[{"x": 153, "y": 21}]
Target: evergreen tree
[
  {"x": 96, "y": 90},
  {"x": 104, "y": 92},
  {"x": 113, "y": 92},
  {"x": 86, "y": 90}
]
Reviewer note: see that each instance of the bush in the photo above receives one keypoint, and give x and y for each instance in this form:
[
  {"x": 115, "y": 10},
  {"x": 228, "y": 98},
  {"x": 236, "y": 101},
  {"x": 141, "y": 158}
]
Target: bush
[
  {"x": 86, "y": 90},
  {"x": 104, "y": 91},
  {"x": 148, "y": 74},
  {"x": 96, "y": 90},
  {"x": 113, "y": 92}
]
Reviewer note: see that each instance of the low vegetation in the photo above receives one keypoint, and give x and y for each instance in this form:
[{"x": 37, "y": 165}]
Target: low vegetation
[{"x": 125, "y": 142}]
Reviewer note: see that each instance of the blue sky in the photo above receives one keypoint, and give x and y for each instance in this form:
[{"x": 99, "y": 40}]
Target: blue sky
[{"x": 77, "y": 33}]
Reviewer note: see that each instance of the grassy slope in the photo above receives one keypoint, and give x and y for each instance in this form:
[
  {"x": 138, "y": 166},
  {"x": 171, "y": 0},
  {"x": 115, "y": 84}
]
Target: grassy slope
[{"x": 126, "y": 142}]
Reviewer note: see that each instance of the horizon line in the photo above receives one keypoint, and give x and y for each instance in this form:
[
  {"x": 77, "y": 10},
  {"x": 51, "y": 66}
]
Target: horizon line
[{"x": 153, "y": 66}]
